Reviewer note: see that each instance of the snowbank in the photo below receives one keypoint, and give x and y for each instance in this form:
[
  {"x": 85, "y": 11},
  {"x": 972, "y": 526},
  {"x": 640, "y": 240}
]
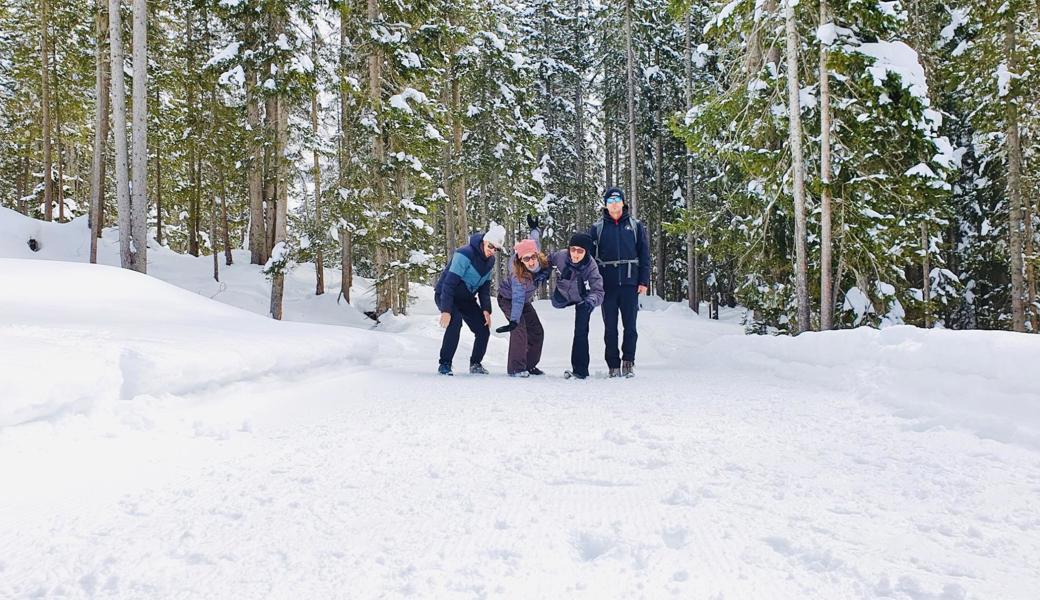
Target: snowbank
[
  {"x": 242, "y": 285},
  {"x": 77, "y": 338},
  {"x": 978, "y": 380}
]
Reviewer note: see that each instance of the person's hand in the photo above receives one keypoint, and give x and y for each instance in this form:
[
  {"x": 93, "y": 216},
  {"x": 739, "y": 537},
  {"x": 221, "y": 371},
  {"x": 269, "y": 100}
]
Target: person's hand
[
  {"x": 507, "y": 328},
  {"x": 487, "y": 319},
  {"x": 445, "y": 319},
  {"x": 532, "y": 222},
  {"x": 588, "y": 304},
  {"x": 641, "y": 290}
]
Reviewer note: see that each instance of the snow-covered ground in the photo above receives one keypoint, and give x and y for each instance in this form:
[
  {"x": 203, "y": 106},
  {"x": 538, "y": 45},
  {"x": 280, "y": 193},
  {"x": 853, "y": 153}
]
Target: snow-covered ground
[{"x": 157, "y": 444}]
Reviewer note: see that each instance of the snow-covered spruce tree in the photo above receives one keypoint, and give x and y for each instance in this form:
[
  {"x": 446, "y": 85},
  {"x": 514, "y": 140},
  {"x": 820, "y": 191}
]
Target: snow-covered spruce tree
[
  {"x": 552, "y": 32},
  {"x": 993, "y": 79},
  {"x": 492, "y": 122},
  {"x": 399, "y": 110},
  {"x": 889, "y": 163}
]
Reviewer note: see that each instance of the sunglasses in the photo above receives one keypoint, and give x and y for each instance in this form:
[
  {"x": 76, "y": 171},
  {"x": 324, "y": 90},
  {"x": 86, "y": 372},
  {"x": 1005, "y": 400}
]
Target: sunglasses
[
  {"x": 493, "y": 247},
  {"x": 529, "y": 257},
  {"x": 614, "y": 199}
]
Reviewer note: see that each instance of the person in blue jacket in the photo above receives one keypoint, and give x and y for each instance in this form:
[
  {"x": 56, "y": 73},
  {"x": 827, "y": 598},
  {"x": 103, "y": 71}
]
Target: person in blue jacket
[
  {"x": 622, "y": 250},
  {"x": 463, "y": 294}
]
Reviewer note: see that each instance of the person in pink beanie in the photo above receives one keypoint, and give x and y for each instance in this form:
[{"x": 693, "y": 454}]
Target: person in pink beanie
[{"x": 528, "y": 269}]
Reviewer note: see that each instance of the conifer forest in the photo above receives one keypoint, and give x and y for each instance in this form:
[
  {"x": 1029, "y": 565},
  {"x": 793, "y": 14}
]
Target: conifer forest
[{"x": 825, "y": 164}]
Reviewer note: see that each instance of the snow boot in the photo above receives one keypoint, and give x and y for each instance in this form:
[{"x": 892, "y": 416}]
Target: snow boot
[
  {"x": 477, "y": 369},
  {"x": 626, "y": 369},
  {"x": 535, "y": 371},
  {"x": 614, "y": 372},
  {"x": 445, "y": 370},
  {"x": 572, "y": 375},
  {"x": 520, "y": 374}
]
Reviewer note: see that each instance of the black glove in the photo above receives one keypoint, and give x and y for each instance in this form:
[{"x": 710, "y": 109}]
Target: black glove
[
  {"x": 506, "y": 328},
  {"x": 532, "y": 222}
]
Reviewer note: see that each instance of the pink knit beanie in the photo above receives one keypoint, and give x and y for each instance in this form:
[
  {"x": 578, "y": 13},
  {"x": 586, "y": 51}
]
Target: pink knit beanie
[{"x": 525, "y": 247}]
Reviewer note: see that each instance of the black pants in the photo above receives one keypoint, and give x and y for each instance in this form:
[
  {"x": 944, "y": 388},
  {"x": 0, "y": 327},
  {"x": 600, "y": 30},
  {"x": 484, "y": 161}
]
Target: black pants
[
  {"x": 623, "y": 298},
  {"x": 525, "y": 342},
  {"x": 580, "y": 345},
  {"x": 465, "y": 310}
]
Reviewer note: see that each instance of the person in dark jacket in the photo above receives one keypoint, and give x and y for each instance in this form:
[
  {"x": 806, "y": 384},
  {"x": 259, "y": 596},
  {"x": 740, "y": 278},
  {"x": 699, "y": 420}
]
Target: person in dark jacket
[
  {"x": 622, "y": 250},
  {"x": 463, "y": 294},
  {"x": 528, "y": 270},
  {"x": 579, "y": 285}
]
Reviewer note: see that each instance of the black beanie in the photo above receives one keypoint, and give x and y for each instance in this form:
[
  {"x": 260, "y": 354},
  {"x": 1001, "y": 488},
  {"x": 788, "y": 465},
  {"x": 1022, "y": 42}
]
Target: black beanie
[
  {"x": 583, "y": 240},
  {"x": 611, "y": 191}
]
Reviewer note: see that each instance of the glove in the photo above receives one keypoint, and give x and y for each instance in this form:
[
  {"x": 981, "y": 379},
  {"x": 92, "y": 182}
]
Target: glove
[
  {"x": 587, "y": 304},
  {"x": 506, "y": 328},
  {"x": 532, "y": 222}
]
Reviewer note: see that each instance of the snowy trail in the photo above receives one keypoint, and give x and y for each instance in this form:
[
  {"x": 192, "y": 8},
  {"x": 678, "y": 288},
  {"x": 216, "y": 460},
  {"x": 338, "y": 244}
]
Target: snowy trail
[{"x": 701, "y": 478}]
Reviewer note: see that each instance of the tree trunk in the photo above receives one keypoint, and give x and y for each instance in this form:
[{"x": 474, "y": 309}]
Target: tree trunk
[
  {"x": 459, "y": 187},
  {"x": 1014, "y": 184},
  {"x": 797, "y": 169},
  {"x": 45, "y": 104},
  {"x": 139, "y": 191},
  {"x": 97, "y": 168},
  {"x": 213, "y": 237},
  {"x": 384, "y": 283},
  {"x": 319, "y": 263},
  {"x": 826, "y": 283},
  {"x": 254, "y": 176},
  {"x": 633, "y": 162},
  {"x": 1031, "y": 309},
  {"x": 926, "y": 269},
  {"x": 158, "y": 178},
  {"x": 579, "y": 120},
  {"x": 281, "y": 138},
  {"x": 692, "y": 274},
  {"x": 659, "y": 260},
  {"x": 346, "y": 247},
  {"x": 228, "y": 259},
  {"x": 122, "y": 176}
]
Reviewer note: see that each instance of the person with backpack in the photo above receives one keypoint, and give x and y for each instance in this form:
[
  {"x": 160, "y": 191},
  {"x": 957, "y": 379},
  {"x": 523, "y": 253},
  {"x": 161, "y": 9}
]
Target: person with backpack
[
  {"x": 622, "y": 251},
  {"x": 528, "y": 270},
  {"x": 578, "y": 284},
  {"x": 463, "y": 295}
]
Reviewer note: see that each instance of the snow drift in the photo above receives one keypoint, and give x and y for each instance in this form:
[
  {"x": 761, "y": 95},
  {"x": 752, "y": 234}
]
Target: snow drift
[{"x": 77, "y": 337}]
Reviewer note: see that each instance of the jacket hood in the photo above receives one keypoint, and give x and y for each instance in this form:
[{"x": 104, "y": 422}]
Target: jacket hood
[{"x": 475, "y": 242}]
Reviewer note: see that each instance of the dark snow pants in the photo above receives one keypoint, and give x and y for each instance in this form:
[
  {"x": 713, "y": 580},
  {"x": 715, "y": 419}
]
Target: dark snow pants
[
  {"x": 525, "y": 342},
  {"x": 580, "y": 345},
  {"x": 468, "y": 311},
  {"x": 623, "y": 299}
]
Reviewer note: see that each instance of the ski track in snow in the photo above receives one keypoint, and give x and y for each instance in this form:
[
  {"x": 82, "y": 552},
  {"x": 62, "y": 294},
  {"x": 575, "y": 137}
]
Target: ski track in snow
[{"x": 394, "y": 482}]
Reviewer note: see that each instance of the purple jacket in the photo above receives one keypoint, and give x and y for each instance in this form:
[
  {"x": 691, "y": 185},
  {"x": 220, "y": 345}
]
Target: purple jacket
[{"x": 576, "y": 283}]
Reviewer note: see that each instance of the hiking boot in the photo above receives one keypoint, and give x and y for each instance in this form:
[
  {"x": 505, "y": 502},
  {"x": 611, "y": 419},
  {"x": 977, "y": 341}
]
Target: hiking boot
[
  {"x": 535, "y": 371},
  {"x": 477, "y": 369},
  {"x": 573, "y": 375},
  {"x": 520, "y": 374},
  {"x": 626, "y": 369},
  {"x": 614, "y": 372},
  {"x": 445, "y": 370}
]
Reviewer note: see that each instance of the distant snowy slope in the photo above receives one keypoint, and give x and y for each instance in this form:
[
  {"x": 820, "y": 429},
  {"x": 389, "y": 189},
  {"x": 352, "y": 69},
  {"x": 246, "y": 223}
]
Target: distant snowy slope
[
  {"x": 77, "y": 337},
  {"x": 241, "y": 285}
]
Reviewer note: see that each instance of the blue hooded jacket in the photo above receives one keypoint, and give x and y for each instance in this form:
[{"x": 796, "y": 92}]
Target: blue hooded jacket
[{"x": 468, "y": 273}]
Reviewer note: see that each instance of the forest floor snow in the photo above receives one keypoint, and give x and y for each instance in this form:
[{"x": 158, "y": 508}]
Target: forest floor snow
[{"x": 154, "y": 443}]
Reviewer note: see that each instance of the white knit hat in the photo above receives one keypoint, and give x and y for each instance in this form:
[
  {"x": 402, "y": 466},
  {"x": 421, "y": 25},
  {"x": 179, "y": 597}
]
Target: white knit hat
[{"x": 496, "y": 235}]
